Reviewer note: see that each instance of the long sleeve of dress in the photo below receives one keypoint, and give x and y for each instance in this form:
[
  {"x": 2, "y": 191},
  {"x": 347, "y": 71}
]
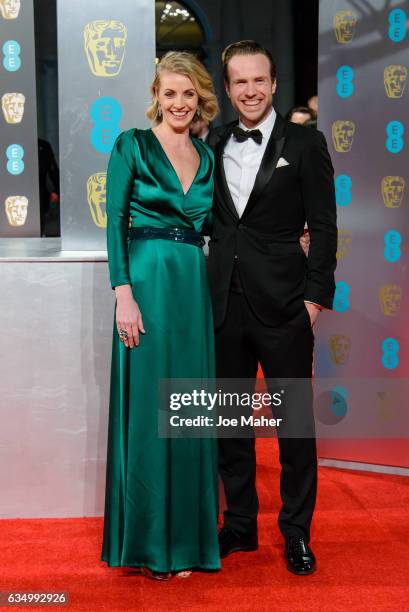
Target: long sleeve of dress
[{"x": 120, "y": 178}]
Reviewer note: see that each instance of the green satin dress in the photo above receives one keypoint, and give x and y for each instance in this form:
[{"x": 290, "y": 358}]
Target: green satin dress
[{"x": 161, "y": 494}]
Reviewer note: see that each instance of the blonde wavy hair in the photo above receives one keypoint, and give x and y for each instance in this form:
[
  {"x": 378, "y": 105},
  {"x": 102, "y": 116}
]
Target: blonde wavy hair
[{"x": 182, "y": 62}]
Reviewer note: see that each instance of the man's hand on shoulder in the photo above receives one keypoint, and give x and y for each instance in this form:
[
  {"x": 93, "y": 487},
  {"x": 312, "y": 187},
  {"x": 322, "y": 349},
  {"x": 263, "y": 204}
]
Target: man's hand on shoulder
[{"x": 216, "y": 133}]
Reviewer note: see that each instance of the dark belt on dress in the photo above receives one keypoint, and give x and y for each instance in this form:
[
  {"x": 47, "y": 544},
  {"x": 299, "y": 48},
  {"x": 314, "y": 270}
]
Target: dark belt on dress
[{"x": 177, "y": 234}]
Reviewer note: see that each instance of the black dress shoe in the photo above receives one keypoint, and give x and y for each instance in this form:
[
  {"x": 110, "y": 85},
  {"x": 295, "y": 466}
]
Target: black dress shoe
[
  {"x": 230, "y": 542},
  {"x": 300, "y": 558}
]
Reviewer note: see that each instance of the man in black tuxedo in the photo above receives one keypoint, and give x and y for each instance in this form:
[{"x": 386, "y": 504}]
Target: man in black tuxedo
[{"x": 271, "y": 177}]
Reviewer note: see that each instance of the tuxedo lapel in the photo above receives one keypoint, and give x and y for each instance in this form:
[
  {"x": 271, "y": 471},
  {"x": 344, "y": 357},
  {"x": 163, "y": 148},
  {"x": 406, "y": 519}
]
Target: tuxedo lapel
[
  {"x": 222, "y": 187},
  {"x": 268, "y": 163}
]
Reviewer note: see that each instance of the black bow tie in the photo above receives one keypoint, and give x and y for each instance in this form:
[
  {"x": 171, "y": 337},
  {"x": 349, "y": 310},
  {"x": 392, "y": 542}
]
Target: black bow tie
[{"x": 243, "y": 135}]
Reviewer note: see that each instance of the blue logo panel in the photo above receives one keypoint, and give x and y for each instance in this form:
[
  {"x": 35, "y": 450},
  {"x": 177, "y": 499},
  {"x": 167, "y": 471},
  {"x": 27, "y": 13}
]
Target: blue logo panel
[
  {"x": 397, "y": 25},
  {"x": 339, "y": 406},
  {"x": 343, "y": 185},
  {"x": 106, "y": 114},
  {"x": 390, "y": 349},
  {"x": 15, "y": 154},
  {"x": 331, "y": 406},
  {"x": 392, "y": 241},
  {"x": 345, "y": 77},
  {"x": 11, "y": 53},
  {"x": 394, "y": 136},
  {"x": 341, "y": 297}
]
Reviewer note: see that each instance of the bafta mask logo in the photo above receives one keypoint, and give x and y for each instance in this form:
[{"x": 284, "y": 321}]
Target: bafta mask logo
[
  {"x": 104, "y": 43},
  {"x": 394, "y": 78},
  {"x": 344, "y": 26},
  {"x": 339, "y": 346},
  {"x": 344, "y": 240},
  {"x": 96, "y": 196},
  {"x": 390, "y": 298},
  {"x": 12, "y": 105},
  {"x": 16, "y": 210},
  {"x": 387, "y": 402},
  {"x": 393, "y": 188},
  {"x": 343, "y": 135},
  {"x": 9, "y": 9}
]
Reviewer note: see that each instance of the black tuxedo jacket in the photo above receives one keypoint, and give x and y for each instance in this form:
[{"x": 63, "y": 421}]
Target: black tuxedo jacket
[{"x": 275, "y": 274}]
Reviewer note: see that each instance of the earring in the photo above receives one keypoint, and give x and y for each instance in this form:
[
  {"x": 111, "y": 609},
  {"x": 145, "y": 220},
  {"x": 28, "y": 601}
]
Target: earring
[
  {"x": 198, "y": 113},
  {"x": 159, "y": 111}
]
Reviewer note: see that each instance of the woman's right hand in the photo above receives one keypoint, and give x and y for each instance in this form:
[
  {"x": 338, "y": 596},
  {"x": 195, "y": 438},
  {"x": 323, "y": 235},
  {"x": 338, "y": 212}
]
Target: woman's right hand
[{"x": 128, "y": 315}]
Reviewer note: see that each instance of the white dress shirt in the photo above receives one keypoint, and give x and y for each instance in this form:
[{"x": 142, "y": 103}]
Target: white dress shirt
[{"x": 242, "y": 160}]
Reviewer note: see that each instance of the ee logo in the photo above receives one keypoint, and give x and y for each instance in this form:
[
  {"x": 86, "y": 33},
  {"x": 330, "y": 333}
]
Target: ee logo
[
  {"x": 394, "y": 132},
  {"x": 15, "y": 154},
  {"x": 339, "y": 406},
  {"x": 11, "y": 52},
  {"x": 390, "y": 349},
  {"x": 345, "y": 86},
  {"x": 106, "y": 114},
  {"x": 343, "y": 184},
  {"x": 341, "y": 297},
  {"x": 397, "y": 25},
  {"x": 392, "y": 241}
]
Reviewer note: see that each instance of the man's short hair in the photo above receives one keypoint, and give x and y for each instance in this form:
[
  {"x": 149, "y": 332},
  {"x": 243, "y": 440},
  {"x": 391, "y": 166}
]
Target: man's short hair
[
  {"x": 246, "y": 47},
  {"x": 305, "y": 110}
]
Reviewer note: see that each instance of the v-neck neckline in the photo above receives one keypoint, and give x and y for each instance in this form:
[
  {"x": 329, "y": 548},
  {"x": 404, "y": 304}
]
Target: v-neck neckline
[{"x": 185, "y": 193}]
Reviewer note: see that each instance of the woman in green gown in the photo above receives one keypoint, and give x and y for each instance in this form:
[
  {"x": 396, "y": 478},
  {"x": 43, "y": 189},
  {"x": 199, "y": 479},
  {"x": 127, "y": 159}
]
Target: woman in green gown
[{"x": 161, "y": 493}]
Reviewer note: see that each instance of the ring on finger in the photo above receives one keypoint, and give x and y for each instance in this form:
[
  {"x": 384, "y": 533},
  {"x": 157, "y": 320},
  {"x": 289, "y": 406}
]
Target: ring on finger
[{"x": 123, "y": 334}]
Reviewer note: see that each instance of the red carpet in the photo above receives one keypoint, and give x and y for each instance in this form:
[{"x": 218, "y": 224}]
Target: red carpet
[{"x": 360, "y": 536}]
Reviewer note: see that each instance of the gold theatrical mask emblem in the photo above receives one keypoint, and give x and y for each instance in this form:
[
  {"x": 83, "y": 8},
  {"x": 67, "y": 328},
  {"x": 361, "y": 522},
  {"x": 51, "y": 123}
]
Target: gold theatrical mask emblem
[
  {"x": 344, "y": 26},
  {"x": 394, "y": 78},
  {"x": 12, "y": 105},
  {"x": 96, "y": 196},
  {"x": 387, "y": 402},
  {"x": 339, "y": 346},
  {"x": 390, "y": 298},
  {"x": 344, "y": 240},
  {"x": 16, "y": 210},
  {"x": 343, "y": 135},
  {"x": 104, "y": 43},
  {"x": 393, "y": 188},
  {"x": 10, "y": 9}
]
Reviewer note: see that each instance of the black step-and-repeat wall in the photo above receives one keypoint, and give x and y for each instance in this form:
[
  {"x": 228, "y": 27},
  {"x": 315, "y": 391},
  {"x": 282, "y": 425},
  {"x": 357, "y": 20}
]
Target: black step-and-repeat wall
[
  {"x": 19, "y": 195},
  {"x": 364, "y": 112}
]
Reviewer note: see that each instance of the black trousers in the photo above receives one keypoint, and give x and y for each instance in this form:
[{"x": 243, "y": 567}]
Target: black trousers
[{"x": 286, "y": 351}]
